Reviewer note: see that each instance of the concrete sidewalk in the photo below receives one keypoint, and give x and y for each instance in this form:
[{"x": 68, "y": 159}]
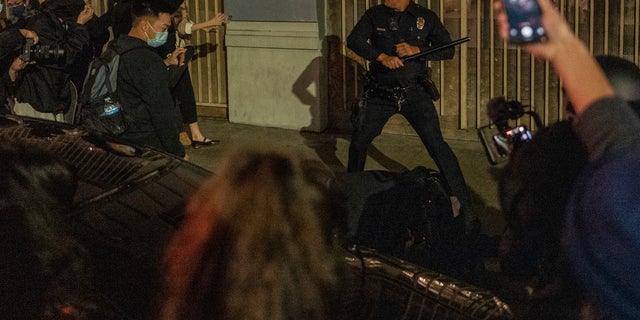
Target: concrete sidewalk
[{"x": 388, "y": 152}]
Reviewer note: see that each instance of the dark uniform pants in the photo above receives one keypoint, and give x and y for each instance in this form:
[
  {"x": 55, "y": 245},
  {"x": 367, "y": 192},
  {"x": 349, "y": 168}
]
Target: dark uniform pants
[{"x": 419, "y": 110}]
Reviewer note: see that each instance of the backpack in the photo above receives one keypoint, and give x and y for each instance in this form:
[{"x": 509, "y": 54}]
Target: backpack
[{"x": 100, "y": 110}]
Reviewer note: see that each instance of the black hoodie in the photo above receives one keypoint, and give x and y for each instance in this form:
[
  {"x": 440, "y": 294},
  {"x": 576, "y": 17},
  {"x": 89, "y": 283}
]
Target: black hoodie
[
  {"x": 143, "y": 88},
  {"x": 10, "y": 43}
]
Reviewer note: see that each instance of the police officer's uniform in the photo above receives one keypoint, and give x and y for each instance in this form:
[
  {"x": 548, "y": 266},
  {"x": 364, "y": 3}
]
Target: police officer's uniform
[{"x": 402, "y": 90}]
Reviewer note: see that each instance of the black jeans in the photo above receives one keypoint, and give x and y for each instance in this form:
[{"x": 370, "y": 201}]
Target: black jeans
[
  {"x": 419, "y": 110},
  {"x": 184, "y": 95}
]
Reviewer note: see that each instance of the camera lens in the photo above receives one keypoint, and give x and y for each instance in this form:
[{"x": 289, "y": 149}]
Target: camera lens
[{"x": 47, "y": 53}]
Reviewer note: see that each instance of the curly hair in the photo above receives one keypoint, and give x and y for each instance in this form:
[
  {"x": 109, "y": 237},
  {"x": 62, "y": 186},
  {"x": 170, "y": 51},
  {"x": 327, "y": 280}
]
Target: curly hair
[{"x": 255, "y": 243}]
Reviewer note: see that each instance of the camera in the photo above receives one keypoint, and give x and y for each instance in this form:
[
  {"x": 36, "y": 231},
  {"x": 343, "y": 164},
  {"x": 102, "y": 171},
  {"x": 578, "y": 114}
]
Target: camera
[
  {"x": 498, "y": 138},
  {"x": 31, "y": 52}
]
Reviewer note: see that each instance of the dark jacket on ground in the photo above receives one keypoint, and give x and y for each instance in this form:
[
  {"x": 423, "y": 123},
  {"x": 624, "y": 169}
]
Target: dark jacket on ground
[{"x": 150, "y": 113}]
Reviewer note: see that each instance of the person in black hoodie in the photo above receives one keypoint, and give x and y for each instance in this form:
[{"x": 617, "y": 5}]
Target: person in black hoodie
[
  {"x": 61, "y": 27},
  {"x": 11, "y": 41},
  {"x": 143, "y": 81}
]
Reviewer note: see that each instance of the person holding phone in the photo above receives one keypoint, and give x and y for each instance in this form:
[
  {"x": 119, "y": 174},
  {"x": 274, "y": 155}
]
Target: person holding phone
[
  {"x": 384, "y": 35},
  {"x": 601, "y": 237},
  {"x": 182, "y": 90},
  {"x": 143, "y": 84},
  {"x": 179, "y": 34}
]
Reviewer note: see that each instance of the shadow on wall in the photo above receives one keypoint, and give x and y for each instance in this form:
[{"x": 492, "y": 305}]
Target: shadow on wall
[
  {"x": 202, "y": 50},
  {"x": 331, "y": 88},
  {"x": 316, "y": 92}
]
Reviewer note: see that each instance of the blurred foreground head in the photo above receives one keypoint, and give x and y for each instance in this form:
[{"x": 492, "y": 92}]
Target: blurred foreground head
[
  {"x": 44, "y": 272},
  {"x": 256, "y": 242},
  {"x": 534, "y": 192},
  {"x": 34, "y": 177}
]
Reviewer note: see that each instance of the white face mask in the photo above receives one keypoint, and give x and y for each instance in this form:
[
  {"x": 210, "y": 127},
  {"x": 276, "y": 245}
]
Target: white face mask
[{"x": 1, "y": 7}]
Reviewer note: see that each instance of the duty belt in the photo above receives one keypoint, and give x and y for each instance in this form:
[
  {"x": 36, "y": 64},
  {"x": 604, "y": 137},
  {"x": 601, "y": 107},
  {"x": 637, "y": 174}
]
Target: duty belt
[{"x": 396, "y": 94}]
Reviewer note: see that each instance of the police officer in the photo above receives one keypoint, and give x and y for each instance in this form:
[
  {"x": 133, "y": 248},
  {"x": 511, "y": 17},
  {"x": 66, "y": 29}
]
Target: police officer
[{"x": 385, "y": 34}]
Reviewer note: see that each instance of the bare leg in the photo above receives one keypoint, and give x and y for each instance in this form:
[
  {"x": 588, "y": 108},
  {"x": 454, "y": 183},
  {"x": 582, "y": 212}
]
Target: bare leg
[{"x": 196, "y": 134}]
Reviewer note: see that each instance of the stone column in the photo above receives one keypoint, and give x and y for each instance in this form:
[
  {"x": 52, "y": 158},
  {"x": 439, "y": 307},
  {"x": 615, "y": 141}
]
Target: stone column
[{"x": 276, "y": 75}]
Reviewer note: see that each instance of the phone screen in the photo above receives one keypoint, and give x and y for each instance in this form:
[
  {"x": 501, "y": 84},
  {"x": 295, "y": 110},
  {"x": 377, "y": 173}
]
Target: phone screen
[
  {"x": 520, "y": 133},
  {"x": 525, "y": 21}
]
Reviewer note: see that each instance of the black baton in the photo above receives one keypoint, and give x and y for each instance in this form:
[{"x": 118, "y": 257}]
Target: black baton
[{"x": 438, "y": 48}]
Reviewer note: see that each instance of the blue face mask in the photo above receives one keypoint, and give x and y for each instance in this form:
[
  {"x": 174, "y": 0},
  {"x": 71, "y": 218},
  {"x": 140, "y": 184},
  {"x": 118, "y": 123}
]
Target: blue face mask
[
  {"x": 1, "y": 7},
  {"x": 158, "y": 40},
  {"x": 18, "y": 11}
]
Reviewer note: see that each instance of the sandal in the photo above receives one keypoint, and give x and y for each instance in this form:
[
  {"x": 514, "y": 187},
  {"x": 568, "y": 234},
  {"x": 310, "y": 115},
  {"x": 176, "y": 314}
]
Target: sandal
[{"x": 204, "y": 143}]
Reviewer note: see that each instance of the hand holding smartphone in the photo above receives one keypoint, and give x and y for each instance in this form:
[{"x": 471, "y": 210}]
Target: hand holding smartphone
[{"x": 525, "y": 21}]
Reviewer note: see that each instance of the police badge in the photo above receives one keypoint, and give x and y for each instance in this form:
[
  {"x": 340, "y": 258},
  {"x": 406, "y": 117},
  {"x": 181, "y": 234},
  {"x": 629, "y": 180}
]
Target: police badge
[{"x": 420, "y": 23}]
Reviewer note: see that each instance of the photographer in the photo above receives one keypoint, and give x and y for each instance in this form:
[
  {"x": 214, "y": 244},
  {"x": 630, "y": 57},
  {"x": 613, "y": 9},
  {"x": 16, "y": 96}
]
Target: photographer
[
  {"x": 601, "y": 238},
  {"x": 11, "y": 41},
  {"x": 63, "y": 36},
  {"x": 534, "y": 193}
]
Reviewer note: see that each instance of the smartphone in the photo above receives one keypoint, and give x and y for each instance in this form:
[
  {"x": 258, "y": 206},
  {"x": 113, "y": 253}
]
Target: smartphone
[{"x": 525, "y": 21}]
